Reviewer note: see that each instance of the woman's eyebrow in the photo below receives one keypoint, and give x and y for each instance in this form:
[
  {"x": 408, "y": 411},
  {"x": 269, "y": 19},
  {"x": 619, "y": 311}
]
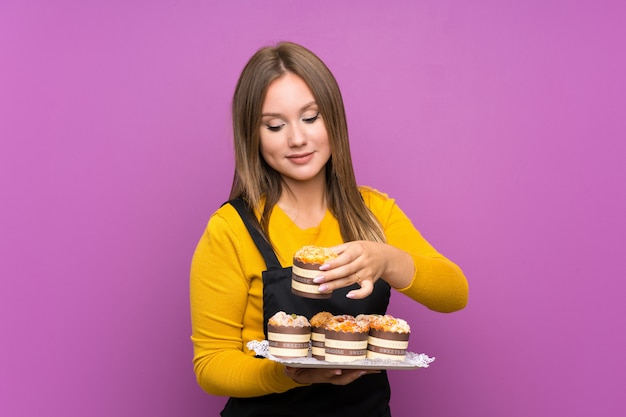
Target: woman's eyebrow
[
  {"x": 311, "y": 104},
  {"x": 305, "y": 107},
  {"x": 271, "y": 115}
]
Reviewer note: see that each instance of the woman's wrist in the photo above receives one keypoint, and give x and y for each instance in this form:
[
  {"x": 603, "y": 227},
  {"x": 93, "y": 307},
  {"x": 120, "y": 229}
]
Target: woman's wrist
[{"x": 399, "y": 267}]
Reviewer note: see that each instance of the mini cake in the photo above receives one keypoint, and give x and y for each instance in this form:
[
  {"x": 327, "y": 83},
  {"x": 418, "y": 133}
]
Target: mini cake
[
  {"x": 388, "y": 338},
  {"x": 306, "y": 263},
  {"x": 318, "y": 326},
  {"x": 288, "y": 335},
  {"x": 367, "y": 317},
  {"x": 345, "y": 339}
]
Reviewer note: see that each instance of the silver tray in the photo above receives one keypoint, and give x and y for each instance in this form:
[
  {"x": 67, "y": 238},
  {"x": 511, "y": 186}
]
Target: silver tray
[{"x": 411, "y": 361}]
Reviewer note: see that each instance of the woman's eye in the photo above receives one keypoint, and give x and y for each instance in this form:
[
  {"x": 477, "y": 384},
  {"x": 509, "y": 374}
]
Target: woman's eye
[
  {"x": 312, "y": 119},
  {"x": 275, "y": 128}
]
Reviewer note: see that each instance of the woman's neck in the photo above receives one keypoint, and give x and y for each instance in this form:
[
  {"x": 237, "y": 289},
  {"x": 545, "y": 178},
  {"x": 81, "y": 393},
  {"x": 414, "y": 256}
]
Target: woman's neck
[{"x": 304, "y": 203}]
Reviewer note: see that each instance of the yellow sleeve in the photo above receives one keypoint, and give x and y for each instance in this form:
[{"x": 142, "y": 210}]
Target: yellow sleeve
[
  {"x": 226, "y": 312},
  {"x": 438, "y": 283}
]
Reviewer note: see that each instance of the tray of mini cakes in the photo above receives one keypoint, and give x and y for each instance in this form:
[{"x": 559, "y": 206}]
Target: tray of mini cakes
[
  {"x": 327, "y": 340},
  {"x": 339, "y": 341}
]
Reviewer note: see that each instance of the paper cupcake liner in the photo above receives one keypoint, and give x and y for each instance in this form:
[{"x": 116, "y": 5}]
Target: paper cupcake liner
[{"x": 302, "y": 280}]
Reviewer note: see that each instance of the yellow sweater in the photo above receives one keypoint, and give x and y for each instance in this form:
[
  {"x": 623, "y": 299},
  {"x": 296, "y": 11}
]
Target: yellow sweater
[{"x": 226, "y": 290}]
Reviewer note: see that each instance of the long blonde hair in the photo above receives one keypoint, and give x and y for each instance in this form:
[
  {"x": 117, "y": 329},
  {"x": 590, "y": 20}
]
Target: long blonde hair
[{"x": 254, "y": 179}]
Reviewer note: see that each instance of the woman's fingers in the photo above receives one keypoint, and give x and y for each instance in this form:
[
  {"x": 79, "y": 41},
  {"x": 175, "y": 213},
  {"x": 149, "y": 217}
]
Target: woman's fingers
[{"x": 325, "y": 375}]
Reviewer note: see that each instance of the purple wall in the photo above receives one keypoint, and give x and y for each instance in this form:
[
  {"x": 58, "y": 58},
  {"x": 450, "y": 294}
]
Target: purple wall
[{"x": 498, "y": 126}]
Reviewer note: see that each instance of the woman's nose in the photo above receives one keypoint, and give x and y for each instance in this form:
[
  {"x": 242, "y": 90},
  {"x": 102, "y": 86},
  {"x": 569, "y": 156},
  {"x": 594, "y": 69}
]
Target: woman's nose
[{"x": 296, "y": 136}]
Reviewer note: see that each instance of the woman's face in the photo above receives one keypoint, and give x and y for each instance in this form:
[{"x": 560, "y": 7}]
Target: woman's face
[{"x": 293, "y": 135}]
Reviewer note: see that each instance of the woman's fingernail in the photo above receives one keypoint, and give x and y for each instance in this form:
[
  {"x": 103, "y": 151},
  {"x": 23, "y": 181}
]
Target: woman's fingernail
[
  {"x": 322, "y": 288},
  {"x": 318, "y": 280},
  {"x": 325, "y": 267}
]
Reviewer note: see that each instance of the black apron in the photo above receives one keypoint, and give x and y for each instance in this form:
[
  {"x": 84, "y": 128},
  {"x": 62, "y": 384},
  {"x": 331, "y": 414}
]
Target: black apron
[{"x": 367, "y": 396}]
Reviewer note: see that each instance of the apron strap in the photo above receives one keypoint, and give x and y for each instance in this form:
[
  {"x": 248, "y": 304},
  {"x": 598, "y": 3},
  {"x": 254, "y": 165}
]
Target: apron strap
[{"x": 271, "y": 261}]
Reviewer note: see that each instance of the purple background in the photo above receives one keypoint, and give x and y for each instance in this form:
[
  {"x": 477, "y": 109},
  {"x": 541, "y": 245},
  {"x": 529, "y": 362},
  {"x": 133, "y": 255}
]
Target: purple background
[{"x": 497, "y": 125}]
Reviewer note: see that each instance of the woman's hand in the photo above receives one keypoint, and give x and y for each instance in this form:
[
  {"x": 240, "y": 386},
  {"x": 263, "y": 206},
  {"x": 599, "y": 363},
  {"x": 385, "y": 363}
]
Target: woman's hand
[
  {"x": 325, "y": 375},
  {"x": 364, "y": 262}
]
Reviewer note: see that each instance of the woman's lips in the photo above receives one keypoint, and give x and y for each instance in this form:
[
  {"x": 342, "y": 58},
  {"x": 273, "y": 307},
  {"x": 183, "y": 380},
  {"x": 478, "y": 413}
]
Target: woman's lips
[{"x": 301, "y": 158}]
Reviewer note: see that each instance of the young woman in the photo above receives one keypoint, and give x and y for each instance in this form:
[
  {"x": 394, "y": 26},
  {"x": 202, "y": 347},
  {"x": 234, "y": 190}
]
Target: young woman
[{"x": 294, "y": 185}]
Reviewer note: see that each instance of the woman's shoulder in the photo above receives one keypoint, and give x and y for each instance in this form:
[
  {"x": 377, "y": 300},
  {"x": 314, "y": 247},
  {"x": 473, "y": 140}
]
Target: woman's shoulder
[
  {"x": 373, "y": 196},
  {"x": 380, "y": 204},
  {"x": 225, "y": 217}
]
